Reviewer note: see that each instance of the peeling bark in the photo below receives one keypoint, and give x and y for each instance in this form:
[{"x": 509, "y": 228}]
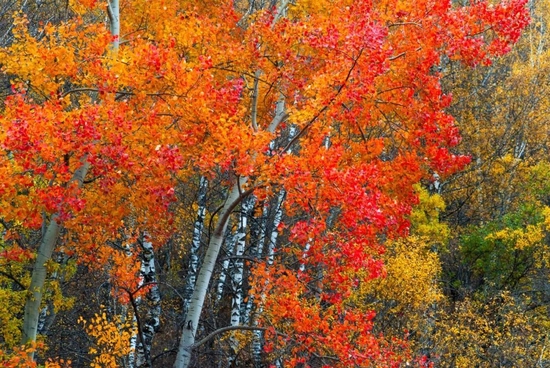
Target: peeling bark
[
  {"x": 196, "y": 244},
  {"x": 151, "y": 323},
  {"x": 236, "y": 195}
]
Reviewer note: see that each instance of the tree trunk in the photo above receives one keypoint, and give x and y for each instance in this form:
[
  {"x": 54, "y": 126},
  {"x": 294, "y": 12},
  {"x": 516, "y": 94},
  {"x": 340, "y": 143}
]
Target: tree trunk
[
  {"x": 196, "y": 244},
  {"x": 257, "y": 341},
  {"x": 238, "y": 268},
  {"x": 49, "y": 239},
  {"x": 113, "y": 10},
  {"x": 36, "y": 288},
  {"x": 151, "y": 323},
  {"x": 39, "y": 272},
  {"x": 229, "y": 249},
  {"x": 183, "y": 358},
  {"x": 274, "y": 231}
]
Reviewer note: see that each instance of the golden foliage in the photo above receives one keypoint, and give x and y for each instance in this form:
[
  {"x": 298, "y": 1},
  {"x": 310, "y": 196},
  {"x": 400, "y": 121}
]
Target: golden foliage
[
  {"x": 494, "y": 332},
  {"x": 405, "y": 299},
  {"x": 111, "y": 339}
]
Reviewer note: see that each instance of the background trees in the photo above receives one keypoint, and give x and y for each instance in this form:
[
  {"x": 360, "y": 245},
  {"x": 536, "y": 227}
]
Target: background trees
[{"x": 269, "y": 154}]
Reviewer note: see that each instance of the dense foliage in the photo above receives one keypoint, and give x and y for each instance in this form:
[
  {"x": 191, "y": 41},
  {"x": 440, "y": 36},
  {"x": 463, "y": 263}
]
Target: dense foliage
[{"x": 274, "y": 183}]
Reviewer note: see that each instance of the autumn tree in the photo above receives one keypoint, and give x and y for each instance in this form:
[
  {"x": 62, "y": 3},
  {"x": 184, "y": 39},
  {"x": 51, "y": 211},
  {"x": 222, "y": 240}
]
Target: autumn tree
[
  {"x": 501, "y": 110},
  {"x": 328, "y": 115},
  {"x": 495, "y": 274},
  {"x": 320, "y": 187}
]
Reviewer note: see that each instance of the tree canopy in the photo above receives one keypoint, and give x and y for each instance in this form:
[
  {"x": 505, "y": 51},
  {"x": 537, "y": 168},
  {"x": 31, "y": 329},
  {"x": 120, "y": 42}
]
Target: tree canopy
[{"x": 273, "y": 183}]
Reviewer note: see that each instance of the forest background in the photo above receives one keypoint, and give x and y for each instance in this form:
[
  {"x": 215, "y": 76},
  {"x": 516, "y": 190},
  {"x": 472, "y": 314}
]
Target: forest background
[{"x": 274, "y": 183}]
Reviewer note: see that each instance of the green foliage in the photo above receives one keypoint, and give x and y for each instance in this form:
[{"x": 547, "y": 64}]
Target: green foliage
[
  {"x": 503, "y": 252},
  {"x": 538, "y": 181}
]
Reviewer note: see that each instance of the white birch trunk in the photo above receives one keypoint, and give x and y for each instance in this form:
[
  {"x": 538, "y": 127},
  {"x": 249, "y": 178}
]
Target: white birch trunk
[
  {"x": 46, "y": 318},
  {"x": 304, "y": 256},
  {"x": 238, "y": 269},
  {"x": 133, "y": 343},
  {"x": 53, "y": 229},
  {"x": 196, "y": 244},
  {"x": 47, "y": 314},
  {"x": 435, "y": 186},
  {"x": 519, "y": 148},
  {"x": 257, "y": 341},
  {"x": 113, "y": 10},
  {"x": 274, "y": 231},
  {"x": 124, "y": 313},
  {"x": 183, "y": 358},
  {"x": 36, "y": 288},
  {"x": 151, "y": 323},
  {"x": 259, "y": 248},
  {"x": 229, "y": 248}
]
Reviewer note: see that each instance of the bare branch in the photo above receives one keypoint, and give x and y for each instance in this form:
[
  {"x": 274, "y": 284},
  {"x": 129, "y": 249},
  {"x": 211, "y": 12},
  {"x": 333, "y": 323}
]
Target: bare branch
[
  {"x": 225, "y": 329},
  {"x": 254, "y": 111},
  {"x": 310, "y": 123}
]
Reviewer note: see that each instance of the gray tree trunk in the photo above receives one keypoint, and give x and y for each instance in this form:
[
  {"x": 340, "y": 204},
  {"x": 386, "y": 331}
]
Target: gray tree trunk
[
  {"x": 53, "y": 229},
  {"x": 39, "y": 272}
]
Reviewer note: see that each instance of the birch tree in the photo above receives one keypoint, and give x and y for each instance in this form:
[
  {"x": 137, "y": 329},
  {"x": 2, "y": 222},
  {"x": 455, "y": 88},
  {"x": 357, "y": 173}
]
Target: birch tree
[{"x": 201, "y": 89}]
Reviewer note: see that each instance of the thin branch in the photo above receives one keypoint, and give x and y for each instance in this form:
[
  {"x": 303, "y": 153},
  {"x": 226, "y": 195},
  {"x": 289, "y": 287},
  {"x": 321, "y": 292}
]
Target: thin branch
[
  {"x": 12, "y": 278},
  {"x": 480, "y": 32},
  {"x": 225, "y": 329},
  {"x": 392, "y": 58},
  {"x": 327, "y": 357},
  {"x": 89, "y": 181},
  {"x": 254, "y": 111},
  {"x": 241, "y": 23},
  {"x": 160, "y": 355},
  {"x": 144, "y": 285},
  {"x": 76, "y": 90},
  {"x": 119, "y": 93},
  {"x": 219, "y": 229},
  {"x": 240, "y": 73},
  {"x": 378, "y": 93},
  {"x": 7, "y": 227},
  {"x": 136, "y": 315},
  {"x": 310, "y": 123},
  {"x": 361, "y": 131},
  {"x": 378, "y": 101},
  {"x": 405, "y": 24},
  {"x": 247, "y": 258}
]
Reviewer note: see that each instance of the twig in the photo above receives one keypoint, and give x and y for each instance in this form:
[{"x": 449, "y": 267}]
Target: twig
[
  {"x": 213, "y": 334},
  {"x": 297, "y": 136}
]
